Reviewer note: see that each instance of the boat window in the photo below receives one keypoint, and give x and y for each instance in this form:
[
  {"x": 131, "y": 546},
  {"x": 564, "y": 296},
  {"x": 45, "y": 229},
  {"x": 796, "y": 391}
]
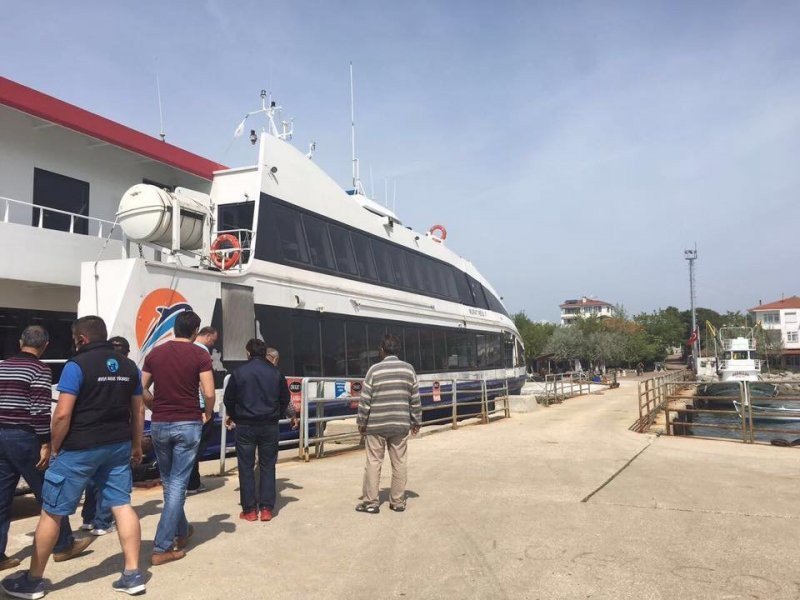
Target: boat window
[
  {"x": 448, "y": 281},
  {"x": 482, "y": 350},
  {"x": 411, "y": 343},
  {"x": 464, "y": 293},
  {"x": 427, "y": 357},
  {"x": 342, "y": 250},
  {"x": 290, "y": 232},
  {"x": 508, "y": 350},
  {"x": 477, "y": 293},
  {"x": 51, "y": 190},
  {"x": 740, "y": 355},
  {"x": 383, "y": 261},
  {"x": 494, "y": 354},
  {"x": 418, "y": 273},
  {"x": 520, "y": 354},
  {"x": 434, "y": 277},
  {"x": 274, "y": 325},
  {"x": 400, "y": 268},
  {"x": 234, "y": 218},
  {"x": 461, "y": 350},
  {"x": 357, "y": 354},
  {"x": 440, "y": 355},
  {"x": 306, "y": 342},
  {"x": 334, "y": 357},
  {"x": 364, "y": 258},
  {"x": 319, "y": 244},
  {"x": 726, "y": 356},
  {"x": 375, "y": 333},
  {"x": 238, "y": 215}
]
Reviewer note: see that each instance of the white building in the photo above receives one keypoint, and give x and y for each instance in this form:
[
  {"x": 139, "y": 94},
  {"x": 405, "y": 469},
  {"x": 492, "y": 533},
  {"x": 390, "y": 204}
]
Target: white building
[
  {"x": 583, "y": 308},
  {"x": 782, "y": 315}
]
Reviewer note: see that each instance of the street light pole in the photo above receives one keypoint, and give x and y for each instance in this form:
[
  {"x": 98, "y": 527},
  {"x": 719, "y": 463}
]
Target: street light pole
[{"x": 691, "y": 256}]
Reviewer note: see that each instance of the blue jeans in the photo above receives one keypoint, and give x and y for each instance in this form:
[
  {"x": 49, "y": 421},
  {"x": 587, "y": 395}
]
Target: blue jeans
[
  {"x": 19, "y": 453},
  {"x": 93, "y": 512},
  {"x": 176, "y": 448},
  {"x": 265, "y": 439}
]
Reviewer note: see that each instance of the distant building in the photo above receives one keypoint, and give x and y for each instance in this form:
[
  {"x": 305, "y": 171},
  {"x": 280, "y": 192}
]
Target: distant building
[
  {"x": 584, "y": 308},
  {"x": 782, "y": 315}
]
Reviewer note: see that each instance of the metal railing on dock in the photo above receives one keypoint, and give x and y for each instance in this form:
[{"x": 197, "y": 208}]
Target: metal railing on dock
[
  {"x": 751, "y": 411},
  {"x": 653, "y": 394},
  {"x": 560, "y": 386}
]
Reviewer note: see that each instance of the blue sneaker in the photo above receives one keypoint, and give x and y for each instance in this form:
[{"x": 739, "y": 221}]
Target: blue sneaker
[
  {"x": 20, "y": 585},
  {"x": 132, "y": 584}
]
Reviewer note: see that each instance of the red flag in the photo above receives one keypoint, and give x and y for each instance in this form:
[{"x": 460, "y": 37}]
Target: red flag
[{"x": 692, "y": 338}]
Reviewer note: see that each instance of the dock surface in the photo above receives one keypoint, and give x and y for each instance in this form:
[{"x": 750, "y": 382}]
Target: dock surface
[{"x": 561, "y": 502}]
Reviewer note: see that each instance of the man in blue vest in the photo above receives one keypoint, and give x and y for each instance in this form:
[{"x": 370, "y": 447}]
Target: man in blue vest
[{"x": 96, "y": 434}]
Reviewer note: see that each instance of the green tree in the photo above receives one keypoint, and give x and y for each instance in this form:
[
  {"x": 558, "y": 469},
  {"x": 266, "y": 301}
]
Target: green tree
[{"x": 534, "y": 335}]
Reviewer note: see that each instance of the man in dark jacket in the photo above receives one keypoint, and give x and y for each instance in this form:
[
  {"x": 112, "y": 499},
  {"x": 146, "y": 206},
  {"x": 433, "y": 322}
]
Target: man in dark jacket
[{"x": 256, "y": 398}]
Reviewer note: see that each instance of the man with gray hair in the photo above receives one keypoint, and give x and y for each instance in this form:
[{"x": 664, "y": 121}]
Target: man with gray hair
[
  {"x": 388, "y": 410},
  {"x": 25, "y": 399}
]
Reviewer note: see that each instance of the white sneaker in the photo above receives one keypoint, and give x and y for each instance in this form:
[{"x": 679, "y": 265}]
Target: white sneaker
[
  {"x": 87, "y": 527},
  {"x": 98, "y": 532}
]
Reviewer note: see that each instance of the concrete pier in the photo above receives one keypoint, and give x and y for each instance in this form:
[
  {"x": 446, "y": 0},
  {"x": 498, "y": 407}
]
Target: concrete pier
[{"x": 562, "y": 502}]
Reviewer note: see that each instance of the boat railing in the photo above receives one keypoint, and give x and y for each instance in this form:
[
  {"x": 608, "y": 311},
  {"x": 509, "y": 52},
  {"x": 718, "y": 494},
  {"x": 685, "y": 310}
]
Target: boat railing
[
  {"x": 94, "y": 227},
  {"x": 329, "y": 399},
  {"x": 242, "y": 252}
]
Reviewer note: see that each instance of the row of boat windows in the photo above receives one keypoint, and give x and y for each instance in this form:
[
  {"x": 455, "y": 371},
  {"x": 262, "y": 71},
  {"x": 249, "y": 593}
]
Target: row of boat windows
[
  {"x": 300, "y": 238},
  {"x": 311, "y": 345},
  {"x": 740, "y": 355}
]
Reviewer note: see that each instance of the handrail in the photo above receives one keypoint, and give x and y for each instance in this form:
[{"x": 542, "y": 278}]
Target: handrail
[
  {"x": 40, "y": 221},
  {"x": 318, "y": 437},
  {"x": 652, "y": 397}
]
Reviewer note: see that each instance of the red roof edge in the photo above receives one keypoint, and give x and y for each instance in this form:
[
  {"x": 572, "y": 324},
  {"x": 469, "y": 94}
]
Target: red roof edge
[
  {"x": 67, "y": 115},
  {"x": 790, "y": 302}
]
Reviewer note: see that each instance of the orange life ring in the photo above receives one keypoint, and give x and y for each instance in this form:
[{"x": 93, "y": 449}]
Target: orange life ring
[
  {"x": 230, "y": 258},
  {"x": 441, "y": 230}
]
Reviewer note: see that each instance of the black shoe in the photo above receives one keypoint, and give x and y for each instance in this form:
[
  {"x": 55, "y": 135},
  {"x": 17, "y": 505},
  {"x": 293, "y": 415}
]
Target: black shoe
[
  {"x": 397, "y": 508},
  {"x": 372, "y": 509}
]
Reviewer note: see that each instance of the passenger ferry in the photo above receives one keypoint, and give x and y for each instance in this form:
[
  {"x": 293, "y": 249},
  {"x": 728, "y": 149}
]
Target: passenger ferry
[{"x": 276, "y": 250}]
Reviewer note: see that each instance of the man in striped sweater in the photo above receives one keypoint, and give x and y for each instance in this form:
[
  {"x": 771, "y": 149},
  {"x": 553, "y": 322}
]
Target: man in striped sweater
[
  {"x": 25, "y": 398},
  {"x": 389, "y": 408}
]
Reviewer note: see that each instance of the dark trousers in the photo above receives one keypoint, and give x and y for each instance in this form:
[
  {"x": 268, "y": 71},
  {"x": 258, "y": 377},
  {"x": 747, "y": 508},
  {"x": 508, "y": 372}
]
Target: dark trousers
[
  {"x": 205, "y": 435},
  {"x": 263, "y": 438},
  {"x": 19, "y": 453}
]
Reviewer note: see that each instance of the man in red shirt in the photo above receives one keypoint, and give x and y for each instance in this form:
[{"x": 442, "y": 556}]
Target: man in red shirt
[{"x": 177, "y": 367}]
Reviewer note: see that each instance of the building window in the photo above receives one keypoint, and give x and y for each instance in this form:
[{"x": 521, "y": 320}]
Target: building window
[
  {"x": 791, "y": 337},
  {"x": 771, "y": 318},
  {"x": 51, "y": 190},
  {"x": 790, "y": 318}
]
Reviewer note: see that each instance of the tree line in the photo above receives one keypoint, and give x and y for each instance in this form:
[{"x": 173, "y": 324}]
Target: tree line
[{"x": 623, "y": 341}]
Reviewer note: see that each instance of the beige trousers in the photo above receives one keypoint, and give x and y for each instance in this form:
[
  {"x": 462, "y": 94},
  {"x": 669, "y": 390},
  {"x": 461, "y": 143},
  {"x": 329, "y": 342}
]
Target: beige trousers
[{"x": 376, "y": 446}]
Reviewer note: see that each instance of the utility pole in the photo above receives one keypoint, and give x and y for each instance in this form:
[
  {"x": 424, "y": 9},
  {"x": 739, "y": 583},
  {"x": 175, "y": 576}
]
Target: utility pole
[{"x": 691, "y": 256}]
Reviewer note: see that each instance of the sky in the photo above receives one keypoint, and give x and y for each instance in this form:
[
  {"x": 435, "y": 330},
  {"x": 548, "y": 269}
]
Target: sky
[{"x": 569, "y": 148}]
